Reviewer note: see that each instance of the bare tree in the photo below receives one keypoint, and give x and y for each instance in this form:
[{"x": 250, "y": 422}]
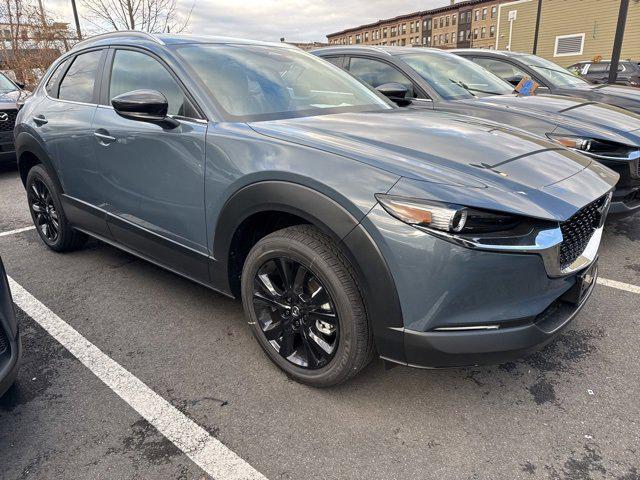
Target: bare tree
[
  {"x": 154, "y": 16},
  {"x": 30, "y": 39}
]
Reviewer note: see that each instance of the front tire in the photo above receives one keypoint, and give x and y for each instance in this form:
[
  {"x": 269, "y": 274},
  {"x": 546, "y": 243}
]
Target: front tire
[
  {"x": 47, "y": 214},
  {"x": 304, "y": 306}
]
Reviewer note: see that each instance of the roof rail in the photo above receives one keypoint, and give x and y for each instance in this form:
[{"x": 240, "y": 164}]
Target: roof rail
[{"x": 118, "y": 34}]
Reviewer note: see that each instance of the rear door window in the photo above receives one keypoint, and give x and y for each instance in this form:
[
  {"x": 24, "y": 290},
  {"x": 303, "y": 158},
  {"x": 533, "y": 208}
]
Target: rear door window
[{"x": 79, "y": 82}]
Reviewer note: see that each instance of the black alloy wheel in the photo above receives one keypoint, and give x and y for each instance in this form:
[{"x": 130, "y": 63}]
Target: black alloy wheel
[
  {"x": 304, "y": 306},
  {"x": 44, "y": 210},
  {"x": 296, "y": 313}
]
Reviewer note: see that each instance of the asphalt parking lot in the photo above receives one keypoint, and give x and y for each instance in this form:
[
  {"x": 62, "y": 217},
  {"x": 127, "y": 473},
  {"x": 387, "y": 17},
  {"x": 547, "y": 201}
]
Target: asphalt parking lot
[{"x": 570, "y": 411}]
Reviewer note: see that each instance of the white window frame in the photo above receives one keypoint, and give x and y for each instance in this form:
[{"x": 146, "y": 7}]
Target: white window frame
[{"x": 572, "y": 54}]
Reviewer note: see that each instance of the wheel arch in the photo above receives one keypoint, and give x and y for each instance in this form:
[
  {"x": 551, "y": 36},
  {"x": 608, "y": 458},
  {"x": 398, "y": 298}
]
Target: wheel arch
[
  {"x": 30, "y": 152},
  {"x": 291, "y": 204}
]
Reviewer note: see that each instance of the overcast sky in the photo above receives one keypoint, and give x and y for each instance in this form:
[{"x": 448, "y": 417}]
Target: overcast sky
[{"x": 296, "y": 20}]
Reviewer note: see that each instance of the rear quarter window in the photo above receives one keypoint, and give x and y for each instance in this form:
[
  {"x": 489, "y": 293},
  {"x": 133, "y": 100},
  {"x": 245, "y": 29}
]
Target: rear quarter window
[{"x": 52, "y": 84}]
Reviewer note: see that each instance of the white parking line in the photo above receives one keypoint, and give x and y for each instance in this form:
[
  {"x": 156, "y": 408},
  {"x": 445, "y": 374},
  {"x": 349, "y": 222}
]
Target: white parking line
[
  {"x": 18, "y": 230},
  {"x": 206, "y": 451},
  {"x": 619, "y": 285}
]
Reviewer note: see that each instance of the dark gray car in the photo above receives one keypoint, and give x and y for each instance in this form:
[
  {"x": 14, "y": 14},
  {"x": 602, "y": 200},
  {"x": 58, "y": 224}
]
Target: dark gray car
[
  {"x": 10, "y": 342},
  {"x": 348, "y": 227},
  {"x": 433, "y": 79},
  {"x": 513, "y": 66}
]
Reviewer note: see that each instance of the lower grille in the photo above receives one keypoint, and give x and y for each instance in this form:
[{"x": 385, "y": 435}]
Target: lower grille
[
  {"x": 8, "y": 120},
  {"x": 577, "y": 231},
  {"x": 4, "y": 342}
]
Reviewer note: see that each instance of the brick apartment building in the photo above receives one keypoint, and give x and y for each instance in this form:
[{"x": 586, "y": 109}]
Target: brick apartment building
[
  {"x": 570, "y": 30},
  {"x": 468, "y": 23}
]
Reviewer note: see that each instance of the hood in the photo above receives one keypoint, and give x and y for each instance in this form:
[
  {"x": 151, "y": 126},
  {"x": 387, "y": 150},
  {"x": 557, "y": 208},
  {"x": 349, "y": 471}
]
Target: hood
[
  {"x": 631, "y": 93},
  {"x": 560, "y": 108},
  {"x": 12, "y": 96},
  {"x": 434, "y": 147}
]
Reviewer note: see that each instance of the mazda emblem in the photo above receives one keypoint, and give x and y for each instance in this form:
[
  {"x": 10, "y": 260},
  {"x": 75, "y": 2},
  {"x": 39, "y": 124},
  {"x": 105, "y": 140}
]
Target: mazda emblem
[{"x": 4, "y": 116}]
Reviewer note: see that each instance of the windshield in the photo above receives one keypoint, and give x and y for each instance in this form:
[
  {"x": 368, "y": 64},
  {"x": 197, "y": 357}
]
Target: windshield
[
  {"x": 552, "y": 72},
  {"x": 253, "y": 82},
  {"x": 456, "y": 78},
  {"x": 6, "y": 84}
]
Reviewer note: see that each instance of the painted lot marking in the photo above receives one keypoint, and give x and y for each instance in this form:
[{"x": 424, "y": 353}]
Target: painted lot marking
[
  {"x": 18, "y": 230},
  {"x": 619, "y": 285},
  {"x": 207, "y": 452}
]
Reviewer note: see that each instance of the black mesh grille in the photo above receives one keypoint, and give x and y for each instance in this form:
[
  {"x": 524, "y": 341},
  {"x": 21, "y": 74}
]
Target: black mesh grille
[
  {"x": 7, "y": 123},
  {"x": 577, "y": 231},
  {"x": 4, "y": 341}
]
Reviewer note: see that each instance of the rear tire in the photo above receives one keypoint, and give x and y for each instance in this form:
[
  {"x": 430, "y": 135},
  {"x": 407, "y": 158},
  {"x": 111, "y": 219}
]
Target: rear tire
[
  {"x": 47, "y": 214},
  {"x": 315, "y": 329}
]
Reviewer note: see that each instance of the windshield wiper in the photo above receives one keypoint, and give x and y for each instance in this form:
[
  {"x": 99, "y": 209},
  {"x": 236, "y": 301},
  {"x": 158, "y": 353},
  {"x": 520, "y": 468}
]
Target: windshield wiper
[{"x": 471, "y": 89}]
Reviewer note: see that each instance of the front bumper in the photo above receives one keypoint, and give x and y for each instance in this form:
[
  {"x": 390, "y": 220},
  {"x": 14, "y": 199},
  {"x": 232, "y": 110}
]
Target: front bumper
[
  {"x": 7, "y": 148},
  {"x": 450, "y": 295},
  {"x": 9, "y": 365}
]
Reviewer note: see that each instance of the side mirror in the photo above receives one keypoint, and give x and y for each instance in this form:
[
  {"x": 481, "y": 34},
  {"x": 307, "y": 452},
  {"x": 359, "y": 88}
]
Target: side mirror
[
  {"x": 148, "y": 106},
  {"x": 395, "y": 92},
  {"x": 21, "y": 85}
]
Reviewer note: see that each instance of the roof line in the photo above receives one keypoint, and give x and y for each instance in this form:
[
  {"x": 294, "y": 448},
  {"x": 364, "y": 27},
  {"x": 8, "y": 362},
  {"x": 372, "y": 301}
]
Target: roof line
[{"x": 118, "y": 34}]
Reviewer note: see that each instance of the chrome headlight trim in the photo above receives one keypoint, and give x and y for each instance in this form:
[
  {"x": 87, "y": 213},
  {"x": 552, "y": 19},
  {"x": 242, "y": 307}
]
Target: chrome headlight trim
[{"x": 545, "y": 242}]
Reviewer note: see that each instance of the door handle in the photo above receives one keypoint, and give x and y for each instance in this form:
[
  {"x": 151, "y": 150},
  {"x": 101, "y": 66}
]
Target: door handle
[
  {"x": 40, "y": 120},
  {"x": 104, "y": 139}
]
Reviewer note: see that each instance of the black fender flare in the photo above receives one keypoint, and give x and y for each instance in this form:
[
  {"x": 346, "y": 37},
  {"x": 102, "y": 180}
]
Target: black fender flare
[
  {"x": 27, "y": 143},
  {"x": 373, "y": 275}
]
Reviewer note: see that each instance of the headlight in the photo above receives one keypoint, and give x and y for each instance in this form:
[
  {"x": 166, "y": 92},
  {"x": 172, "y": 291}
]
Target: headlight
[
  {"x": 596, "y": 148},
  {"x": 445, "y": 216}
]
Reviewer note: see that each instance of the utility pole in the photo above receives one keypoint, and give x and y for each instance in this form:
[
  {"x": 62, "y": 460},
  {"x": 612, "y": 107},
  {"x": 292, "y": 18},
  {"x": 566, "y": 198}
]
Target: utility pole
[
  {"x": 617, "y": 43},
  {"x": 75, "y": 17},
  {"x": 537, "y": 32}
]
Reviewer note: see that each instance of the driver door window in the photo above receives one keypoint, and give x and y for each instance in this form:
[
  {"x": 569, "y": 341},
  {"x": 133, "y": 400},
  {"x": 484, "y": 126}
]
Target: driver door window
[
  {"x": 506, "y": 71},
  {"x": 134, "y": 71},
  {"x": 376, "y": 73}
]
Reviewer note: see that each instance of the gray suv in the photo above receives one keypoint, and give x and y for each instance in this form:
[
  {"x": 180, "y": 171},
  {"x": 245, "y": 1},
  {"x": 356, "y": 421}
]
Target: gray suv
[{"x": 346, "y": 225}]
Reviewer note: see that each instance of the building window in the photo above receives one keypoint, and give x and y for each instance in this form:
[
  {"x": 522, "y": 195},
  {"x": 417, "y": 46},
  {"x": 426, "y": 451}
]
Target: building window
[
  {"x": 453, "y": 19},
  {"x": 567, "y": 45},
  {"x": 440, "y": 39},
  {"x": 350, "y": 40},
  {"x": 494, "y": 11},
  {"x": 461, "y": 36},
  {"x": 484, "y": 13},
  {"x": 476, "y": 15},
  {"x": 469, "y": 16},
  {"x": 429, "y": 24},
  {"x": 427, "y": 41},
  {"x": 404, "y": 28},
  {"x": 446, "y": 21},
  {"x": 483, "y": 32},
  {"x": 475, "y": 33},
  {"x": 446, "y": 38},
  {"x": 469, "y": 34},
  {"x": 492, "y": 31},
  {"x": 384, "y": 32},
  {"x": 441, "y": 22}
]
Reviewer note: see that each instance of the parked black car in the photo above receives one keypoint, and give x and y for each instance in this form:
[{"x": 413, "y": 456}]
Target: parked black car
[
  {"x": 10, "y": 344},
  {"x": 598, "y": 72},
  {"x": 11, "y": 93},
  {"x": 512, "y": 66}
]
